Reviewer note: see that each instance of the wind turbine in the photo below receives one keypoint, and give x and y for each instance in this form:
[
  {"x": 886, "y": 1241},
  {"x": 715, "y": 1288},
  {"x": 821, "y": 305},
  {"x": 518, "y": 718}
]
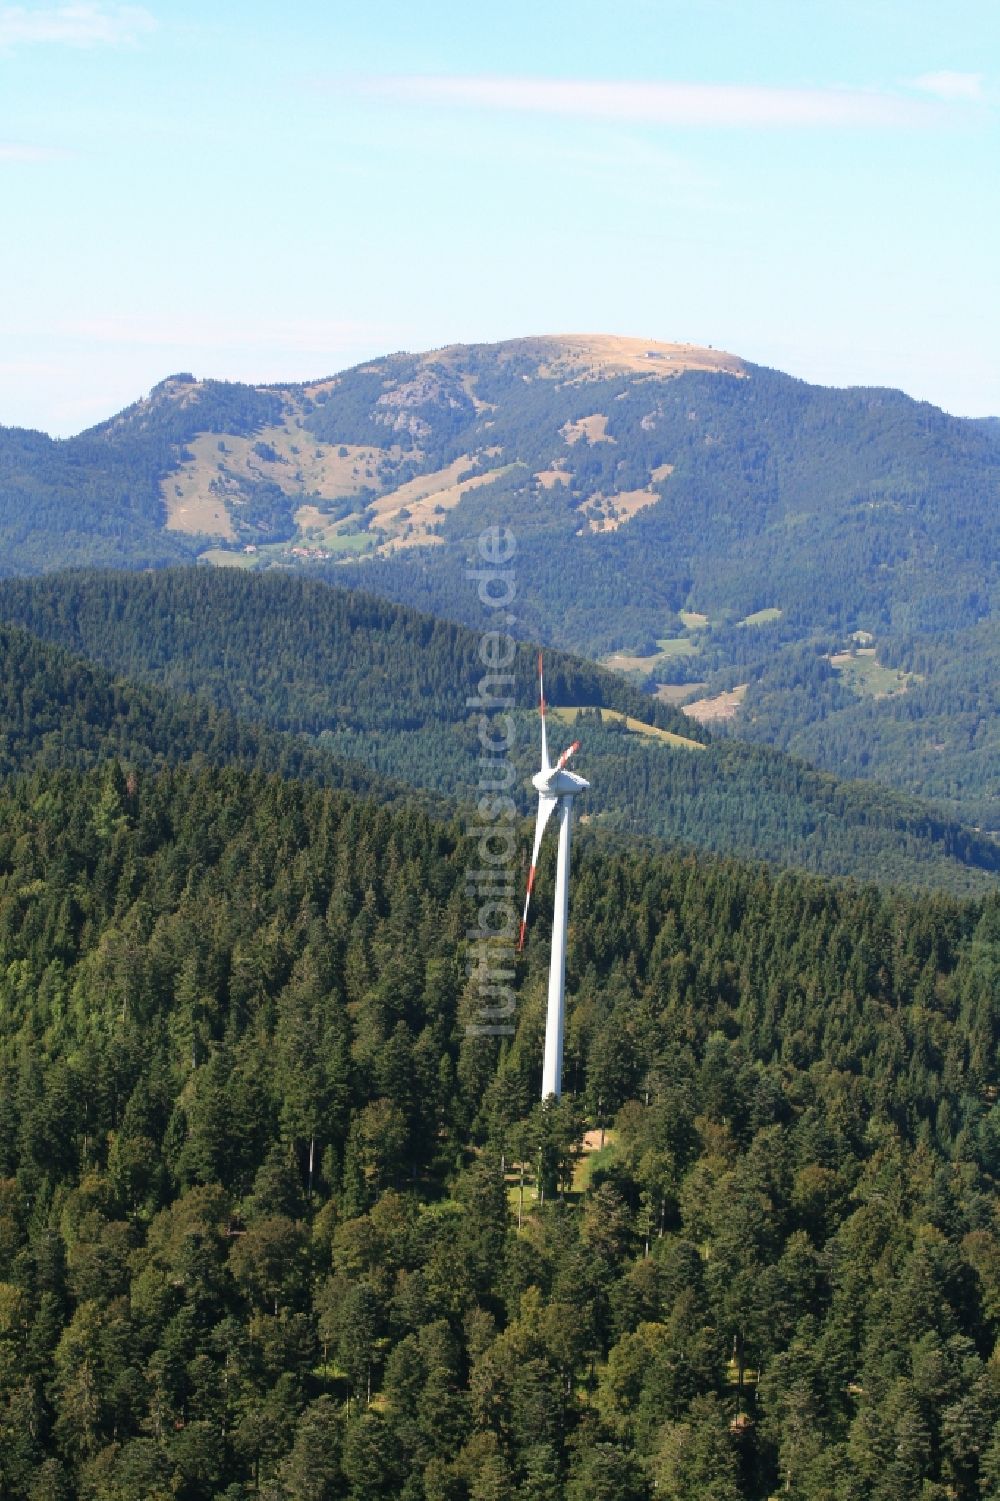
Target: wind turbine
[{"x": 557, "y": 788}]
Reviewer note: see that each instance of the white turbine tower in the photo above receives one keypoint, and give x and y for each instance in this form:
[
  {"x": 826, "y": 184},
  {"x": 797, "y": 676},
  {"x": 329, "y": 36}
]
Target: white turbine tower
[{"x": 557, "y": 788}]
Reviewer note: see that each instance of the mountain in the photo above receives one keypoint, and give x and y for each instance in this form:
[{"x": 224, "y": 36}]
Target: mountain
[
  {"x": 281, "y": 672},
  {"x": 699, "y": 522}
]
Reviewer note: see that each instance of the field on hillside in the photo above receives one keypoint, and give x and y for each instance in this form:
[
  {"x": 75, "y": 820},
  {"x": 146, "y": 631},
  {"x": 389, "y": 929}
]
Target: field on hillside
[
  {"x": 568, "y": 716},
  {"x": 867, "y": 677}
]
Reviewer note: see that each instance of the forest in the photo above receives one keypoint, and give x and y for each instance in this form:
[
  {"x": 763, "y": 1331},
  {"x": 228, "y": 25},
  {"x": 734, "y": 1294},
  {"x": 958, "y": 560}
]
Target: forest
[
  {"x": 775, "y": 486},
  {"x": 352, "y": 691},
  {"x": 272, "y": 1223},
  {"x": 942, "y": 734},
  {"x": 59, "y": 711}
]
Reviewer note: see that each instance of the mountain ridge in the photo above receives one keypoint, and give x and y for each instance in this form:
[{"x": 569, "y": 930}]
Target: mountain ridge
[
  {"x": 704, "y": 530},
  {"x": 283, "y": 673}
]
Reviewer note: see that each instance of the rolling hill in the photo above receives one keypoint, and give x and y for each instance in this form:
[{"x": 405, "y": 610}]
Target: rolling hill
[{"x": 283, "y": 673}]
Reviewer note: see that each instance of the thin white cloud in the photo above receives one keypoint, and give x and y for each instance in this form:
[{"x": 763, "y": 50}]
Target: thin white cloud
[
  {"x": 678, "y": 104},
  {"x": 81, "y": 24},
  {"x": 963, "y": 87},
  {"x": 11, "y": 151}
]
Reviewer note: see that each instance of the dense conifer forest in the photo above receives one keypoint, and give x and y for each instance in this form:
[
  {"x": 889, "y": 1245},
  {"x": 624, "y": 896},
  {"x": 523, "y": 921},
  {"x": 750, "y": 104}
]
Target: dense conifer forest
[
  {"x": 59, "y": 711},
  {"x": 272, "y": 1223},
  {"x": 294, "y": 652},
  {"x": 942, "y": 734},
  {"x": 286, "y": 674}
]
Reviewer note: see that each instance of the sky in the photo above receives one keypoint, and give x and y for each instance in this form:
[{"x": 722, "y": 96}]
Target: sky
[{"x": 264, "y": 192}]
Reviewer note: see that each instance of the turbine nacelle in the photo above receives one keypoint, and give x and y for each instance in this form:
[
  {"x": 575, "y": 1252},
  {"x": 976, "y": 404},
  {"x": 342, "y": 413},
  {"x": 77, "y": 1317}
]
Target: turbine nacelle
[
  {"x": 557, "y": 782},
  {"x": 556, "y": 788}
]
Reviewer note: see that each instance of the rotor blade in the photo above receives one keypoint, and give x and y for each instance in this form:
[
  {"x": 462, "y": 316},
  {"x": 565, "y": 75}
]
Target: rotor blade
[
  {"x": 567, "y": 753},
  {"x": 546, "y": 763},
  {"x": 546, "y": 805}
]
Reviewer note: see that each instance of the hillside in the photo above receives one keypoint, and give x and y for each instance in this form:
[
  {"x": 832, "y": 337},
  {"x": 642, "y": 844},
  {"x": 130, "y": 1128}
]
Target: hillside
[
  {"x": 272, "y": 1222},
  {"x": 686, "y": 516},
  {"x": 61, "y": 712},
  {"x": 353, "y": 690},
  {"x": 96, "y": 499},
  {"x": 924, "y": 714}
]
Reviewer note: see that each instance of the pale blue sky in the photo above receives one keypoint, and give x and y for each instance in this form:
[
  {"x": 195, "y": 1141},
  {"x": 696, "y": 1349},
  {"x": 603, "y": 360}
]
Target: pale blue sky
[{"x": 262, "y": 191}]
